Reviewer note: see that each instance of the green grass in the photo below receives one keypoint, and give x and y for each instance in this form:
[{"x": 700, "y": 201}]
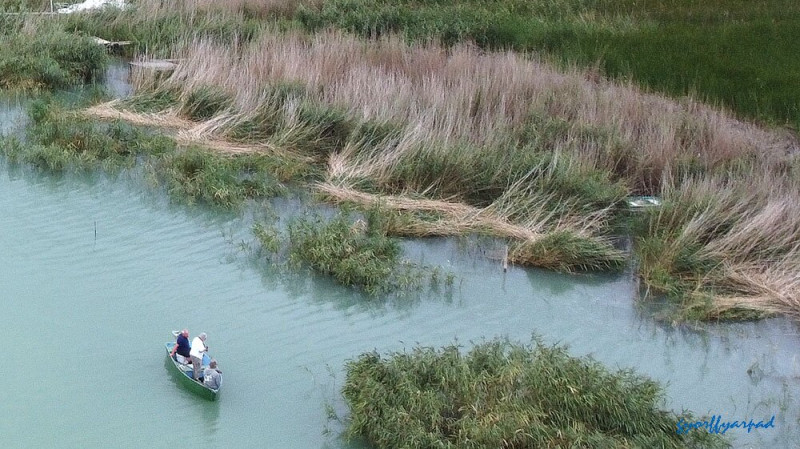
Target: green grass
[
  {"x": 205, "y": 102},
  {"x": 49, "y": 59},
  {"x": 156, "y": 32},
  {"x": 58, "y": 139},
  {"x": 565, "y": 251},
  {"x": 501, "y": 394},
  {"x": 735, "y": 53},
  {"x": 198, "y": 175},
  {"x": 355, "y": 252},
  {"x": 150, "y": 101},
  {"x": 24, "y": 5}
]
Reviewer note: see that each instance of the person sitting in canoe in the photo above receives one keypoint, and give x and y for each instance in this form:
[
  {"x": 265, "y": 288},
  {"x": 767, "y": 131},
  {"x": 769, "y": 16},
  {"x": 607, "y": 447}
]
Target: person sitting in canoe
[
  {"x": 181, "y": 350},
  {"x": 212, "y": 377}
]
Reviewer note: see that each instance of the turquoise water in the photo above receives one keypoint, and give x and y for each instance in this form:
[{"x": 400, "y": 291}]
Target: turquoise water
[{"x": 96, "y": 272}]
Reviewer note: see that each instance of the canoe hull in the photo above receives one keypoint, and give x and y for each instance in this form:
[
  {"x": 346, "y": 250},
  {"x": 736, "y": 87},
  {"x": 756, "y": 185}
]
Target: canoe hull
[{"x": 184, "y": 375}]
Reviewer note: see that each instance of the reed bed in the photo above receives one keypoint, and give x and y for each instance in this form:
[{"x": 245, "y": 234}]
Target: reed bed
[
  {"x": 198, "y": 175},
  {"x": 739, "y": 59},
  {"x": 59, "y": 140},
  {"x": 496, "y": 101},
  {"x": 502, "y": 394},
  {"x": 548, "y": 151},
  {"x": 24, "y": 5},
  {"x": 567, "y": 246},
  {"x": 528, "y": 148}
]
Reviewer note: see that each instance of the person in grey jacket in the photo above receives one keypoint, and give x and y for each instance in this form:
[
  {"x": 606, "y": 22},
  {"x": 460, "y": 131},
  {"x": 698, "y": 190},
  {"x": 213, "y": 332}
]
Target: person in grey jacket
[{"x": 212, "y": 377}]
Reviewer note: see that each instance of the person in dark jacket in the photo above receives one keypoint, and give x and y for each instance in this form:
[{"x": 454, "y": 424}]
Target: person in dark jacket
[{"x": 182, "y": 348}]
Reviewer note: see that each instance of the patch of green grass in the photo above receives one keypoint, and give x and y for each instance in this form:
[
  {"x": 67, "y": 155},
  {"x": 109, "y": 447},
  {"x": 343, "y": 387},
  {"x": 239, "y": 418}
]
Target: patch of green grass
[
  {"x": 24, "y": 6},
  {"x": 566, "y": 251},
  {"x": 501, "y": 394},
  {"x": 155, "y": 33},
  {"x": 205, "y": 102},
  {"x": 151, "y": 101},
  {"x": 197, "y": 175},
  {"x": 49, "y": 60}
]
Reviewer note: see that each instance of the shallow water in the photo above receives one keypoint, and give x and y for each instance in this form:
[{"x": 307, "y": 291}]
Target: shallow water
[{"x": 96, "y": 272}]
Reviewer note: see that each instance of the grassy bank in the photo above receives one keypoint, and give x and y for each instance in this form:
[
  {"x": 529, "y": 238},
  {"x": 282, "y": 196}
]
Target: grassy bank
[
  {"x": 501, "y": 394},
  {"x": 62, "y": 139}
]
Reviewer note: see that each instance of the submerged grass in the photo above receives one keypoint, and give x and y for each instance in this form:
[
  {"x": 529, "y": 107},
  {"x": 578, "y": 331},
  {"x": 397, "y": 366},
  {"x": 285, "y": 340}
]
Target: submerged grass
[{"x": 501, "y": 394}]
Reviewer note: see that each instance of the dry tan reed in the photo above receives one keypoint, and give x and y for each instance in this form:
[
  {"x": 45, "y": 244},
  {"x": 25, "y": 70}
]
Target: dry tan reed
[
  {"x": 186, "y": 132},
  {"x": 750, "y": 228},
  {"x": 112, "y": 110},
  {"x": 456, "y": 218},
  {"x": 466, "y": 94}
]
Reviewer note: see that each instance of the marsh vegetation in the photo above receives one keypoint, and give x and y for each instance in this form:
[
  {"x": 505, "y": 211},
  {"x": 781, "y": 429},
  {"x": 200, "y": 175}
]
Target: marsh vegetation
[
  {"x": 528, "y": 122},
  {"x": 424, "y": 107}
]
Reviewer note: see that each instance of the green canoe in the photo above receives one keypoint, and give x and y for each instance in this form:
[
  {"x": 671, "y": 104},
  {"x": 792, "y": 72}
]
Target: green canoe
[{"x": 184, "y": 373}]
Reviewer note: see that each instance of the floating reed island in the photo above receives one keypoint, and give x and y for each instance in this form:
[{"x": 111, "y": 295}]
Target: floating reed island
[{"x": 501, "y": 394}]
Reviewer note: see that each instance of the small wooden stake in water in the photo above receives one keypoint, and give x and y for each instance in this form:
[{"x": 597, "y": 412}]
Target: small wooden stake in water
[{"x": 505, "y": 259}]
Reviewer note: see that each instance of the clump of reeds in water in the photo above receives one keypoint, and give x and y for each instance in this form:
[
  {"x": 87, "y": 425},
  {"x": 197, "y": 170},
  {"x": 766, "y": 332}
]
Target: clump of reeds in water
[
  {"x": 501, "y": 394},
  {"x": 725, "y": 246},
  {"x": 60, "y": 139},
  {"x": 354, "y": 251}
]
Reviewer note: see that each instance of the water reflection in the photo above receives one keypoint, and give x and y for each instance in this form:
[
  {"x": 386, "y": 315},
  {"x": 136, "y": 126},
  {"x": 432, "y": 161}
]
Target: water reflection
[{"x": 13, "y": 118}]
